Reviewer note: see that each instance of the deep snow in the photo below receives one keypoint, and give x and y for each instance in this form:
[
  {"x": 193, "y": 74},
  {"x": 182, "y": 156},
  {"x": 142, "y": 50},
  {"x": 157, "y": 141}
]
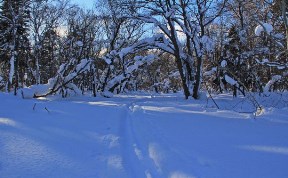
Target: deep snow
[{"x": 137, "y": 136}]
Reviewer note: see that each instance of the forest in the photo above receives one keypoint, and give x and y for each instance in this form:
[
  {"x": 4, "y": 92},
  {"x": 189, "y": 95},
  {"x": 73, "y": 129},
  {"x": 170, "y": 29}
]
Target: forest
[
  {"x": 52, "y": 47},
  {"x": 144, "y": 89}
]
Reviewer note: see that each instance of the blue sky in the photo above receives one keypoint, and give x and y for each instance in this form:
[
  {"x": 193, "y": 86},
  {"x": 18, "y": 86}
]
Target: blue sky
[{"x": 84, "y": 3}]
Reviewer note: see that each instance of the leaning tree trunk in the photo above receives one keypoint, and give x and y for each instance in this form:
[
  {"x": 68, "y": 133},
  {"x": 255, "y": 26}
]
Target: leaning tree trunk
[
  {"x": 183, "y": 78},
  {"x": 177, "y": 55}
]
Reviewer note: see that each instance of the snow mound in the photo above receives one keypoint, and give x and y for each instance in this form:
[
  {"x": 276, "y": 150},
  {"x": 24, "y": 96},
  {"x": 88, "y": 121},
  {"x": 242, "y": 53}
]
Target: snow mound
[
  {"x": 30, "y": 92},
  {"x": 224, "y": 63},
  {"x": 263, "y": 27},
  {"x": 230, "y": 80}
]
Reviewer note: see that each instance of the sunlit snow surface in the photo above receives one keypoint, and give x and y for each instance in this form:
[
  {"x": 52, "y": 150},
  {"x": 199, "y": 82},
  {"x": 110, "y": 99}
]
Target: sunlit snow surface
[{"x": 149, "y": 136}]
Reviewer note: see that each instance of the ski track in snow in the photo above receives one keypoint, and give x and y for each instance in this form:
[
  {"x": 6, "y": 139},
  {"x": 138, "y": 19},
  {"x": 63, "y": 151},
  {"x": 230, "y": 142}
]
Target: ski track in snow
[
  {"x": 145, "y": 159},
  {"x": 160, "y": 152},
  {"x": 138, "y": 137},
  {"x": 136, "y": 161}
]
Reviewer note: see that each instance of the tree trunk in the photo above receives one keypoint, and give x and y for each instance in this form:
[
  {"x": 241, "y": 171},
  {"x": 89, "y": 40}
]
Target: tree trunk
[
  {"x": 94, "y": 83},
  {"x": 178, "y": 58},
  {"x": 285, "y": 18},
  {"x": 37, "y": 76},
  {"x": 198, "y": 78},
  {"x": 16, "y": 85},
  {"x": 183, "y": 78}
]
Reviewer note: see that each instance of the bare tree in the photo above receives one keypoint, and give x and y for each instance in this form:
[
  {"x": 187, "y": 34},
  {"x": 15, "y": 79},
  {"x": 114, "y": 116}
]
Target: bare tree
[
  {"x": 184, "y": 24},
  {"x": 46, "y": 18}
]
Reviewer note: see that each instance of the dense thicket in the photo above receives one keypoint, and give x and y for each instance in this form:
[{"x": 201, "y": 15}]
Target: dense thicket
[
  {"x": 14, "y": 42},
  {"x": 52, "y": 46}
]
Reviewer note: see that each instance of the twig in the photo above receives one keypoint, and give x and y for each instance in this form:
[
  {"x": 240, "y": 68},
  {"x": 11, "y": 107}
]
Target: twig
[
  {"x": 34, "y": 106},
  {"x": 211, "y": 96},
  {"x": 47, "y": 110}
]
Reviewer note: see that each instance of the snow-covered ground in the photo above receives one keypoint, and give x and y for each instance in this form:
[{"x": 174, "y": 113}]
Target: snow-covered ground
[{"x": 137, "y": 136}]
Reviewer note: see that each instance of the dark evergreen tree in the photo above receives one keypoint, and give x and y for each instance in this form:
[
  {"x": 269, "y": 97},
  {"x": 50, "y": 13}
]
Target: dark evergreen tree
[
  {"x": 237, "y": 66},
  {"x": 49, "y": 60}
]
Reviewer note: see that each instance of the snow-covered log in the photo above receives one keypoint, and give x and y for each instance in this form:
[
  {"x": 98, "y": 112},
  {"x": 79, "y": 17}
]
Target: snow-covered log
[{"x": 63, "y": 82}]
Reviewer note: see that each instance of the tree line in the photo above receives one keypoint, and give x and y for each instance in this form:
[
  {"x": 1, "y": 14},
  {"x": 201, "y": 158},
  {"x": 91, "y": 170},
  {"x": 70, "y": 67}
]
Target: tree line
[{"x": 55, "y": 47}]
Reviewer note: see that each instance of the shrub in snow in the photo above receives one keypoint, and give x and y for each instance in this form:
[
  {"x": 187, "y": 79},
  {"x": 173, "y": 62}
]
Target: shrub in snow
[
  {"x": 106, "y": 94},
  {"x": 202, "y": 95},
  {"x": 271, "y": 82}
]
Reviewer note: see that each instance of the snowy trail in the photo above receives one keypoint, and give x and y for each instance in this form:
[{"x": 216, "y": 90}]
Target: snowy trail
[
  {"x": 136, "y": 162},
  {"x": 146, "y": 146},
  {"x": 131, "y": 163},
  {"x": 154, "y": 147},
  {"x": 138, "y": 136}
]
